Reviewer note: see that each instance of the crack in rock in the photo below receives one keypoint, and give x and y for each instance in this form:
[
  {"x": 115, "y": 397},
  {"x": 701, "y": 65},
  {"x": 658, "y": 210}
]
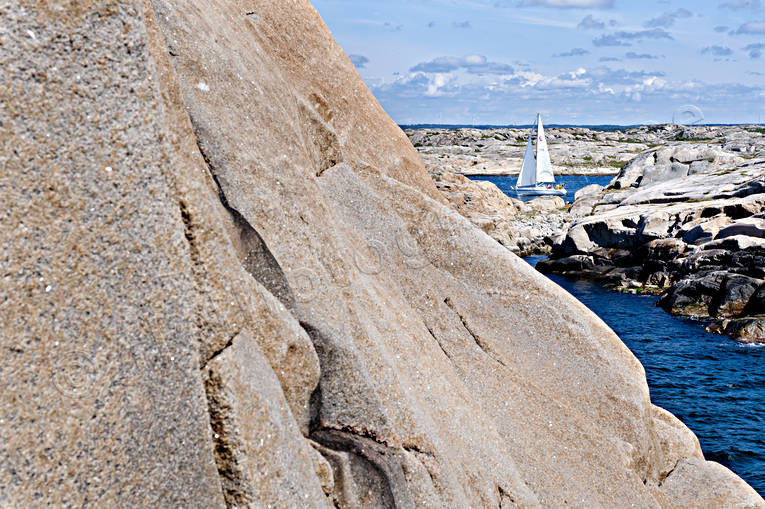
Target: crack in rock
[{"x": 478, "y": 341}]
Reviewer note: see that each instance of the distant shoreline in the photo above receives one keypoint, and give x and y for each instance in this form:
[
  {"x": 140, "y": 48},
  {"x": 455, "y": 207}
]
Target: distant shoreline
[
  {"x": 609, "y": 173},
  {"x": 593, "y": 127}
]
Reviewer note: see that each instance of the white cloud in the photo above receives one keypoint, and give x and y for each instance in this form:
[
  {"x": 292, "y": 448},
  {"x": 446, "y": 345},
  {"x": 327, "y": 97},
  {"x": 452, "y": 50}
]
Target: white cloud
[
  {"x": 590, "y": 23},
  {"x": 473, "y": 64},
  {"x": 438, "y": 82},
  {"x": 754, "y": 27},
  {"x": 359, "y": 60},
  {"x": 717, "y": 51},
  {"x": 741, "y": 4},
  {"x": 569, "y": 4},
  {"x": 604, "y": 89},
  {"x": 621, "y": 38},
  {"x": 668, "y": 19}
]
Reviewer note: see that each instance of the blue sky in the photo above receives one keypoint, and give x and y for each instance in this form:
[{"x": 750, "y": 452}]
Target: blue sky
[{"x": 575, "y": 61}]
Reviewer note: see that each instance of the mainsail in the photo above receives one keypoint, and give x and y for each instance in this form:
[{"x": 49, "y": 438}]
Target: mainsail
[
  {"x": 528, "y": 174},
  {"x": 544, "y": 166},
  {"x": 536, "y": 168}
]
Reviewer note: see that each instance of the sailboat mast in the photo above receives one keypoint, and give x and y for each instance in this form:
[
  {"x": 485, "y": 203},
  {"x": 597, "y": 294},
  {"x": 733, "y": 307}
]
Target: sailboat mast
[
  {"x": 536, "y": 140},
  {"x": 544, "y": 166}
]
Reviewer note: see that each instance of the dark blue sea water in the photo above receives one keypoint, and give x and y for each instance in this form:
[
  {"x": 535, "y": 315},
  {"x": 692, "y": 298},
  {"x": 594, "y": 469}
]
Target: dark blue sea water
[
  {"x": 715, "y": 385},
  {"x": 573, "y": 184}
]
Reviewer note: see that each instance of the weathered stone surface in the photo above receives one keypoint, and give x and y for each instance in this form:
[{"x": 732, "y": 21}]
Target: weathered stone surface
[
  {"x": 576, "y": 241},
  {"x": 102, "y": 403},
  {"x": 523, "y": 228},
  {"x": 262, "y": 458},
  {"x": 756, "y": 304},
  {"x": 693, "y": 296},
  {"x": 671, "y": 163},
  {"x": 583, "y": 206},
  {"x": 483, "y": 204},
  {"x": 735, "y": 243},
  {"x": 660, "y": 173},
  {"x": 749, "y": 329},
  {"x": 695, "y": 484},
  {"x": 702, "y": 229},
  {"x": 661, "y": 250},
  {"x": 573, "y": 263},
  {"x": 221, "y": 247},
  {"x": 733, "y": 297},
  {"x": 750, "y": 227},
  {"x": 590, "y": 190},
  {"x": 619, "y": 233},
  {"x": 545, "y": 204},
  {"x": 656, "y": 226}
]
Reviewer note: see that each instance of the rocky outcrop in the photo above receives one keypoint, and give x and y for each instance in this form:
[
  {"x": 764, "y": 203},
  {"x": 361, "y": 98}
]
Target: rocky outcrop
[
  {"x": 228, "y": 281},
  {"x": 692, "y": 233},
  {"x": 483, "y": 204},
  {"x": 523, "y": 228}
]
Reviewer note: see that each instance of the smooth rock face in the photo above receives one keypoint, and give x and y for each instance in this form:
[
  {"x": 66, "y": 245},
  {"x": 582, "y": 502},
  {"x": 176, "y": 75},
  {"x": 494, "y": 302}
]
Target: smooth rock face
[
  {"x": 229, "y": 280},
  {"x": 483, "y": 204}
]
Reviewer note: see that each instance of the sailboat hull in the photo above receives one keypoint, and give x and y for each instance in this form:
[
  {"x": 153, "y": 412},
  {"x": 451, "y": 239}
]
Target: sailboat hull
[{"x": 539, "y": 191}]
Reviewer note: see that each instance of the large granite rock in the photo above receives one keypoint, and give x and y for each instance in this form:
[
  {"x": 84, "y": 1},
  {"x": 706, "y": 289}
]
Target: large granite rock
[{"x": 229, "y": 281}]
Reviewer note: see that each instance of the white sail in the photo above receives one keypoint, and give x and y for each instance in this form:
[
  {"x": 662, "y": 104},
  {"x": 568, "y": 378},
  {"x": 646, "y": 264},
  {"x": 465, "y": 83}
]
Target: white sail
[
  {"x": 528, "y": 174},
  {"x": 544, "y": 173}
]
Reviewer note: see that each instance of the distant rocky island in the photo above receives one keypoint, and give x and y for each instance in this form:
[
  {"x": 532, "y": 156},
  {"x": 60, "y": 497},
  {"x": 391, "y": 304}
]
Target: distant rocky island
[
  {"x": 573, "y": 150},
  {"x": 683, "y": 218}
]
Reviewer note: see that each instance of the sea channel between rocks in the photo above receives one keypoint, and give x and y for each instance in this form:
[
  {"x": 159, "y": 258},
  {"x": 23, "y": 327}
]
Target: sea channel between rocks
[{"x": 712, "y": 383}]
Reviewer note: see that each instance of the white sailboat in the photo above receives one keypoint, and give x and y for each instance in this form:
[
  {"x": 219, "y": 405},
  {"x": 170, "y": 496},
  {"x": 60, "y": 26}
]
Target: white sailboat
[{"x": 536, "y": 177}]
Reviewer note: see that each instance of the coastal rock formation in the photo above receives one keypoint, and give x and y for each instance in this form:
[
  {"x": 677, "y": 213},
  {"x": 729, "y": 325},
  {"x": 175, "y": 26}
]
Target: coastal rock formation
[
  {"x": 483, "y": 204},
  {"x": 574, "y": 150},
  {"x": 686, "y": 221},
  {"x": 523, "y": 228},
  {"x": 228, "y": 281}
]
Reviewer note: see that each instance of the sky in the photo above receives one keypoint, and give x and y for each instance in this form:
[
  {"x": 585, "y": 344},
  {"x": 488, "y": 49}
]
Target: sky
[{"x": 574, "y": 61}]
